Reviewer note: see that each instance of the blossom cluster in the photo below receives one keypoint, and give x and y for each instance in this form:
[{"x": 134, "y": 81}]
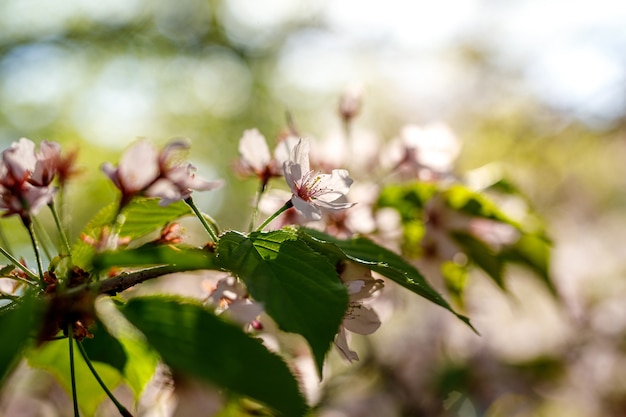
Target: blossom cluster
[{"x": 26, "y": 176}]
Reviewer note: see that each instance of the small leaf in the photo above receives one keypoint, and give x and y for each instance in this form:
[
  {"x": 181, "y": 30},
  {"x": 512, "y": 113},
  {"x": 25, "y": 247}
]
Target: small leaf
[
  {"x": 299, "y": 288},
  {"x": 386, "y": 263},
  {"x": 532, "y": 251},
  {"x": 145, "y": 215},
  {"x": 179, "y": 258},
  {"x": 192, "y": 340},
  {"x": 143, "y": 360},
  {"x": 461, "y": 198},
  {"x": 105, "y": 348},
  {"x": 482, "y": 255},
  {"x": 16, "y": 327},
  {"x": 142, "y": 216},
  {"x": 408, "y": 199},
  {"x": 54, "y": 358}
]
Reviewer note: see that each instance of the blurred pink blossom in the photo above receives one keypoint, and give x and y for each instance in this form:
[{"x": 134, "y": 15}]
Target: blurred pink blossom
[
  {"x": 25, "y": 177},
  {"x": 144, "y": 171}
]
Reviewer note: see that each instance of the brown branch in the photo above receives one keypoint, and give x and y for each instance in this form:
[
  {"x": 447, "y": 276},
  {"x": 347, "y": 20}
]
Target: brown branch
[{"x": 119, "y": 283}]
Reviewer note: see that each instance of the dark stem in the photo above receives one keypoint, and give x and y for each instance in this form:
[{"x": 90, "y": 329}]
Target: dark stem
[
  {"x": 31, "y": 232},
  {"x": 123, "y": 411},
  {"x": 70, "y": 337}
]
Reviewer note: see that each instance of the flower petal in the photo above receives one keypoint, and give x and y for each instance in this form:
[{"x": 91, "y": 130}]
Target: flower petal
[
  {"x": 341, "y": 343},
  {"x": 361, "y": 319},
  {"x": 254, "y": 150},
  {"x": 307, "y": 210},
  {"x": 138, "y": 167}
]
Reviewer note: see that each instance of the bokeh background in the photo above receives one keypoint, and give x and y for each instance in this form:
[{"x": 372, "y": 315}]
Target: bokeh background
[{"x": 536, "y": 87}]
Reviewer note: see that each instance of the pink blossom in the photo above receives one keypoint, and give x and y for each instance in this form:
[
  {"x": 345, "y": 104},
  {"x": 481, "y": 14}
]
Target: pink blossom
[
  {"x": 359, "y": 318},
  {"x": 312, "y": 190},
  {"x": 25, "y": 177},
  {"x": 147, "y": 172}
]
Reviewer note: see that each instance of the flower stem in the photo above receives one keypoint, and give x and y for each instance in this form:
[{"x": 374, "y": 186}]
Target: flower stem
[
  {"x": 19, "y": 265},
  {"x": 44, "y": 239},
  {"x": 201, "y": 217},
  {"x": 70, "y": 336},
  {"x": 267, "y": 221},
  {"x": 255, "y": 212},
  {"x": 3, "y": 240},
  {"x": 57, "y": 221},
  {"x": 31, "y": 232},
  {"x": 123, "y": 411}
]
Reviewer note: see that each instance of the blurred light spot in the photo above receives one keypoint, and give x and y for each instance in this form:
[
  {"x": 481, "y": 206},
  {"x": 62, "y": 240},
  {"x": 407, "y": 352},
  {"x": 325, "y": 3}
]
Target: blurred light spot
[
  {"x": 36, "y": 81},
  {"x": 257, "y": 24},
  {"x": 120, "y": 105},
  {"x": 317, "y": 63},
  {"x": 184, "y": 20},
  {"x": 424, "y": 24},
  {"x": 222, "y": 83},
  {"x": 581, "y": 79},
  {"x": 35, "y": 17}
]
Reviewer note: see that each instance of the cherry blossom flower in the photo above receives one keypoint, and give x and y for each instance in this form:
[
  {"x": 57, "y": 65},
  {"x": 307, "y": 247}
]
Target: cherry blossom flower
[
  {"x": 427, "y": 153},
  {"x": 231, "y": 298},
  {"x": 255, "y": 158},
  {"x": 359, "y": 318},
  {"x": 144, "y": 171},
  {"x": 312, "y": 190},
  {"x": 25, "y": 177}
]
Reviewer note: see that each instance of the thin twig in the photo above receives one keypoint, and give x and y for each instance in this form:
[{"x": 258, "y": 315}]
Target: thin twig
[{"x": 117, "y": 284}]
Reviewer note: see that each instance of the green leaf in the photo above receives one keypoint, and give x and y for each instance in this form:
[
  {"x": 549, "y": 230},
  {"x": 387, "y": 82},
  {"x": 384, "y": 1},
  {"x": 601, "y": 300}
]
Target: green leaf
[
  {"x": 105, "y": 348},
  {"x": 299, "y": 288},
  {"x": 383, "y": 261},
  {"x": 143, "y": 360},
  {"x": 142, "y": 216},
  {"x": 465, "y": 200},
  {"x": 145, "y": 215},
  {"x": 532, "y": 251},
  {"x": 16, "y": 326},
  {"x": 83, "y": 252},
  {"x": 179, "y": 258},
  {"x": 54, "y": 358},
  {"x": 482, "y": 255},
  {"x": 192, "y": 340},
  {"x": 408, "y": 199}
]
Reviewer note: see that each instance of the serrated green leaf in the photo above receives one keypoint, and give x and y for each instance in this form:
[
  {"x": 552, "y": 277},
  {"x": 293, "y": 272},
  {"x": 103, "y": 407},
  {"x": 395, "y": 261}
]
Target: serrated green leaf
[
  {"x": 192, "y": 340},
  {"x": 105, "y": 348},
  {"x": 54, "y": 358},
  {"x": 16, "y": 327},
  {"x": 386, "y": 263},
  {"x": 299, "y": 288}
]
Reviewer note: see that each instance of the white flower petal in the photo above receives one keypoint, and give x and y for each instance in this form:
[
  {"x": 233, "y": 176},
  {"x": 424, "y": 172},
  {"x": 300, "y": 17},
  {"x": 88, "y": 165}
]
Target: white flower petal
[
  {"x": 138, "y": 167},
  {"x": 361, "y": 319},
  {"x": 307, "y": 210},
  {"x": 341, "y": 343},
  {"x": 254, "y": 150}
]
